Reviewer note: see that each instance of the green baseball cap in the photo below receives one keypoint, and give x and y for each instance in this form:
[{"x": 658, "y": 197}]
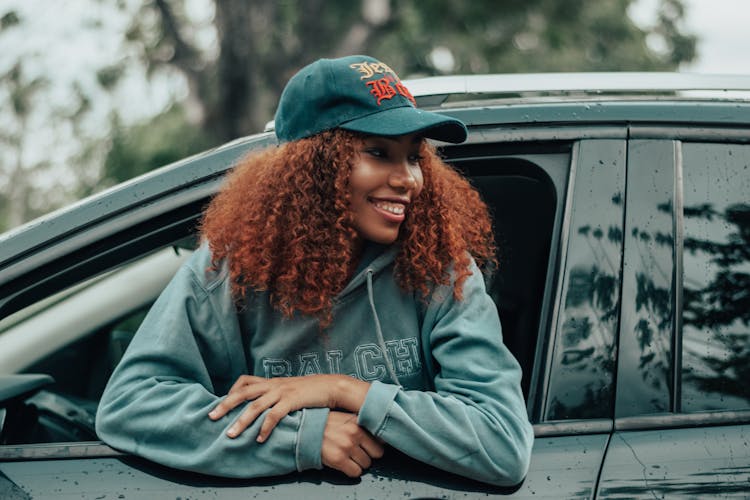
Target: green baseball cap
[{"x": 357, "y": 93}]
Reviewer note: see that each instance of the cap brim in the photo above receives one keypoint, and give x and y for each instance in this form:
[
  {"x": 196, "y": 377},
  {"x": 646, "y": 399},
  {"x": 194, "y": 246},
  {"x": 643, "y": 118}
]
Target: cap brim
[{"x": 408, "y": 120}]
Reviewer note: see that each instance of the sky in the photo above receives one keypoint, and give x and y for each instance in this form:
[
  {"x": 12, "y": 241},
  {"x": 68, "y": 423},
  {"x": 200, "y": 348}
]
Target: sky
[{"x": 724, "y": 30}]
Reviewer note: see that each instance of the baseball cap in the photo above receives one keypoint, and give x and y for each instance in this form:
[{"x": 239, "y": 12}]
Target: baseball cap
[{"x": 357, "y": 93}]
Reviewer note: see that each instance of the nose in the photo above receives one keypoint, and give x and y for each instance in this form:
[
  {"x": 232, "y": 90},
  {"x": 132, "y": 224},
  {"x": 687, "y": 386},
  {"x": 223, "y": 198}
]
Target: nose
[{"x": 402, "y": 176}]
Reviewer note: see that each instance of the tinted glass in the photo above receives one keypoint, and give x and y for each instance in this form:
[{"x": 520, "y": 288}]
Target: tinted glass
[
  {"x": 716, "y": 288},
  {"x": 645, "y": 370},
  {"x": 581, "y": 382}
]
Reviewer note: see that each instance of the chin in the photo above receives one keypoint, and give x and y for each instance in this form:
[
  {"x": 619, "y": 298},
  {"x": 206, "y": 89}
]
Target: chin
[
  {"x": 383, "y": 241},
  {"x": 381, "y": 238}
]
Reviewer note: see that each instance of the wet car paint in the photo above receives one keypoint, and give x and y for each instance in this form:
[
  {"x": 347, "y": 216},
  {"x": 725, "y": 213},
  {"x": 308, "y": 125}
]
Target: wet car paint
[{"x": 564, "y": 467}]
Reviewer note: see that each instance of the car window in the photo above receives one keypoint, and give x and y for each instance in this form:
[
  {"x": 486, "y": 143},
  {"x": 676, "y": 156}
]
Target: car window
[
  {"x": 524, "y": 193},
  {"x": 86, "y": 329},
  {"x": 81, "y": 369},
  {"x": 77, "y": 337},
  {"x": 581, "y": 383},
  {"x": 716, "y": 277}
]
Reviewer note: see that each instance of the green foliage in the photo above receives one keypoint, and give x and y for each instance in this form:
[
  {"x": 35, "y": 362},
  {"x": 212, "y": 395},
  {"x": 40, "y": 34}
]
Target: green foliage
[
  {"x": 109, "y": 77},
  {"x": 166, "y": 138},
  {"x": 9, "y": 19},
  {"x": 262, "y": 43},
  {"x": 236, "y": 60},
  {"x": 532, "y": 36}
]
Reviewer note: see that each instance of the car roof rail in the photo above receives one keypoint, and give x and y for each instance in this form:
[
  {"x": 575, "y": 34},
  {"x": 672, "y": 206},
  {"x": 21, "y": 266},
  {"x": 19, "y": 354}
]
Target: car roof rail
[{"x": 433, "y": 91}]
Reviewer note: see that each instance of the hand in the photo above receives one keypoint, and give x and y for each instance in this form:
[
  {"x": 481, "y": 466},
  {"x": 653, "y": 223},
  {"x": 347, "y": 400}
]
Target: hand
[
  {"x": 286, "y": 394},
  {"x": 347, "y": 447}
]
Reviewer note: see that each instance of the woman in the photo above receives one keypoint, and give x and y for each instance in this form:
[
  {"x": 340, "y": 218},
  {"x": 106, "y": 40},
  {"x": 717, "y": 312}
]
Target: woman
[{"x": 337, "y": 303}]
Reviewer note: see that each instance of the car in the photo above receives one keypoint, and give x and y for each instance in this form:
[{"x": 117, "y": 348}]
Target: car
[{"x": 621, "y": 205}]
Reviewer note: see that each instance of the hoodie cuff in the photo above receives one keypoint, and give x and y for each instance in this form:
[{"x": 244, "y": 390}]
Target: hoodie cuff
[
  {"x": 374, "y": 411},
  {"x": 310, "y": 438}
]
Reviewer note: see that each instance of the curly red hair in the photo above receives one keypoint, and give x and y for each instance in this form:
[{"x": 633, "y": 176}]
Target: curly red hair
[{"x": 283, "y": 224}]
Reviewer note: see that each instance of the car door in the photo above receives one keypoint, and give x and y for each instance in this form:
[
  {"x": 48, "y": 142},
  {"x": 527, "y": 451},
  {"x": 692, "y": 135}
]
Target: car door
[
  {"x": 683, "y": 398},
  {"x": 558, "y": 303},
  {"x": 577, "y": 400},
  {"x": 569, "y": 388}
]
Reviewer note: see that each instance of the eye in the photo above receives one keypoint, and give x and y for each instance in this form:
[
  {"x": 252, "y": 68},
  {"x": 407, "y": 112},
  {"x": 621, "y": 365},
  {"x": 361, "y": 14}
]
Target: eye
[
  {"x": 415, "y": 158},
  {"x": 376, "y": 152}
]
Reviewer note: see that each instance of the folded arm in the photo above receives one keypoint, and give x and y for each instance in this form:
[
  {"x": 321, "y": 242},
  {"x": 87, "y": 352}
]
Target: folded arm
[
  {"x": 157, "y": 402},
  {"x": 474, "y": 423}
]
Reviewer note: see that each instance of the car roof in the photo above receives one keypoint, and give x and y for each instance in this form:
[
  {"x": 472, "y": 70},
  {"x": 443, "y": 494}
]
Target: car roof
[{"x": 436, "y": 90}]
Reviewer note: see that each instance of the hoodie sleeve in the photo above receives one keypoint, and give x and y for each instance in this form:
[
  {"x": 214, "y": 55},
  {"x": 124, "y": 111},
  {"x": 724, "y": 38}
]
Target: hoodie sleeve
[
  {"x": 475, "y": 422},
  {"x": 188, "y": 350}
]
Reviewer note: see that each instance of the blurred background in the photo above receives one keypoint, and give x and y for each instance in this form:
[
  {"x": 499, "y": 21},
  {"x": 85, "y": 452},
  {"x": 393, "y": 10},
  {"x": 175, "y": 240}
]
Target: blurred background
[{"x": 93, "y": 92}]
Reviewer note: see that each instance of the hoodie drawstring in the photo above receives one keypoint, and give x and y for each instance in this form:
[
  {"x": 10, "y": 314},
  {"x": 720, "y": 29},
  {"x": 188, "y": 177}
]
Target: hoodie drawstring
[{"x": 378, "y": 331}]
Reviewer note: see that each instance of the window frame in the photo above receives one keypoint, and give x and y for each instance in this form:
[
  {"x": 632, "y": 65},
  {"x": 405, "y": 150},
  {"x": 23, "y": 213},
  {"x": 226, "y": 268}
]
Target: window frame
[{"x": 674, "y": 418}]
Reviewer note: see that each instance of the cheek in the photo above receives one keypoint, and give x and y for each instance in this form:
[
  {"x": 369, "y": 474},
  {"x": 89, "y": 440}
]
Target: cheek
[{"x": 420, "y": 183}]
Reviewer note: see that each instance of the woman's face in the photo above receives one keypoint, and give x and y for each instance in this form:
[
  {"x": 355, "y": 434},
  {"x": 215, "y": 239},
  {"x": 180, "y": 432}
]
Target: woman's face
[{"x": 385, "y": 178}]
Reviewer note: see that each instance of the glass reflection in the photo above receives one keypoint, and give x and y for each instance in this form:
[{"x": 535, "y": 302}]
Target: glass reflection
[
  {"x": 582, "y": 380},
  {"x": 716, "y": 283},
  {"x": 653, "y": 298},
  {"x": 645, "y": 362}
]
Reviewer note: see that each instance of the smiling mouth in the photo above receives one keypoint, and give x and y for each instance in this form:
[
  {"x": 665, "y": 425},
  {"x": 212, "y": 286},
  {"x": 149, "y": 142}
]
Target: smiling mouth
[
  {"x": 389, "y": 206},
  {"x": 391, "y": 211}
]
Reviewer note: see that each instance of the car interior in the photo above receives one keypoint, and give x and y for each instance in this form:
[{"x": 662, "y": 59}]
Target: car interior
[{"x": 525, "y": 204}]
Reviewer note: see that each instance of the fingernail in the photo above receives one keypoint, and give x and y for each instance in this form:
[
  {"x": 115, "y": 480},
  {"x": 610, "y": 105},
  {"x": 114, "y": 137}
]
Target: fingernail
[
  {"x": 212, "y": 414},
  {"x": 260, "y": 439},
  {"x": 232, "y": 432}
]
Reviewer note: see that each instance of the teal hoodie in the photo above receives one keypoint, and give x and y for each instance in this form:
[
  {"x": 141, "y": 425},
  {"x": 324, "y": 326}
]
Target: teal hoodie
[{"x": 444, "y": 389}]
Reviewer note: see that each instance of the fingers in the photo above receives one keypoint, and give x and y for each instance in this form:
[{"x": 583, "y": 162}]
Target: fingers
[
  {"x": 351, "y": 468},
  {"x": 253, "y": 411},
  {"x": 273, "y": 417},
  {"x": 347, "y": 447},
  {"x": 266, "y": 394},
  {"x": 270, "y": 421},
  {"x": 342, "y": 462},
  {"x": 245, "y": 389},
  {"x": 244, "y": 380},
  {"x": 360, "y": 457},
  {"x": 372, "y": 446},
  {"x": 279, "y": 395}
]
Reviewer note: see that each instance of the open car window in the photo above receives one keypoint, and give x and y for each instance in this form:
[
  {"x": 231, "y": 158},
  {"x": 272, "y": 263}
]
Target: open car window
[{"x": 77, "y": 336}]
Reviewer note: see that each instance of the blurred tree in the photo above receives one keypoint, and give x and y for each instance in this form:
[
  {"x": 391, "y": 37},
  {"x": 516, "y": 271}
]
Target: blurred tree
[
  {"x": 235, "y": 56},
  {"x": 235, "y": 84},
  {"x": 16, "y": 170},
  {"x": 138, "y": 149},
  {"x": 46, "y": 159}
]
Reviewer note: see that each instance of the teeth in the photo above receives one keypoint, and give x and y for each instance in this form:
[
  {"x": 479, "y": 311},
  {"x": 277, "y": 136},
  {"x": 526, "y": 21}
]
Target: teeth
[{"x": 394, "y": 208}]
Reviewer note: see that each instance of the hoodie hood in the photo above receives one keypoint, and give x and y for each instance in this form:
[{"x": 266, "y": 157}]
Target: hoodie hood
[{"x": 375, "y": 258}]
